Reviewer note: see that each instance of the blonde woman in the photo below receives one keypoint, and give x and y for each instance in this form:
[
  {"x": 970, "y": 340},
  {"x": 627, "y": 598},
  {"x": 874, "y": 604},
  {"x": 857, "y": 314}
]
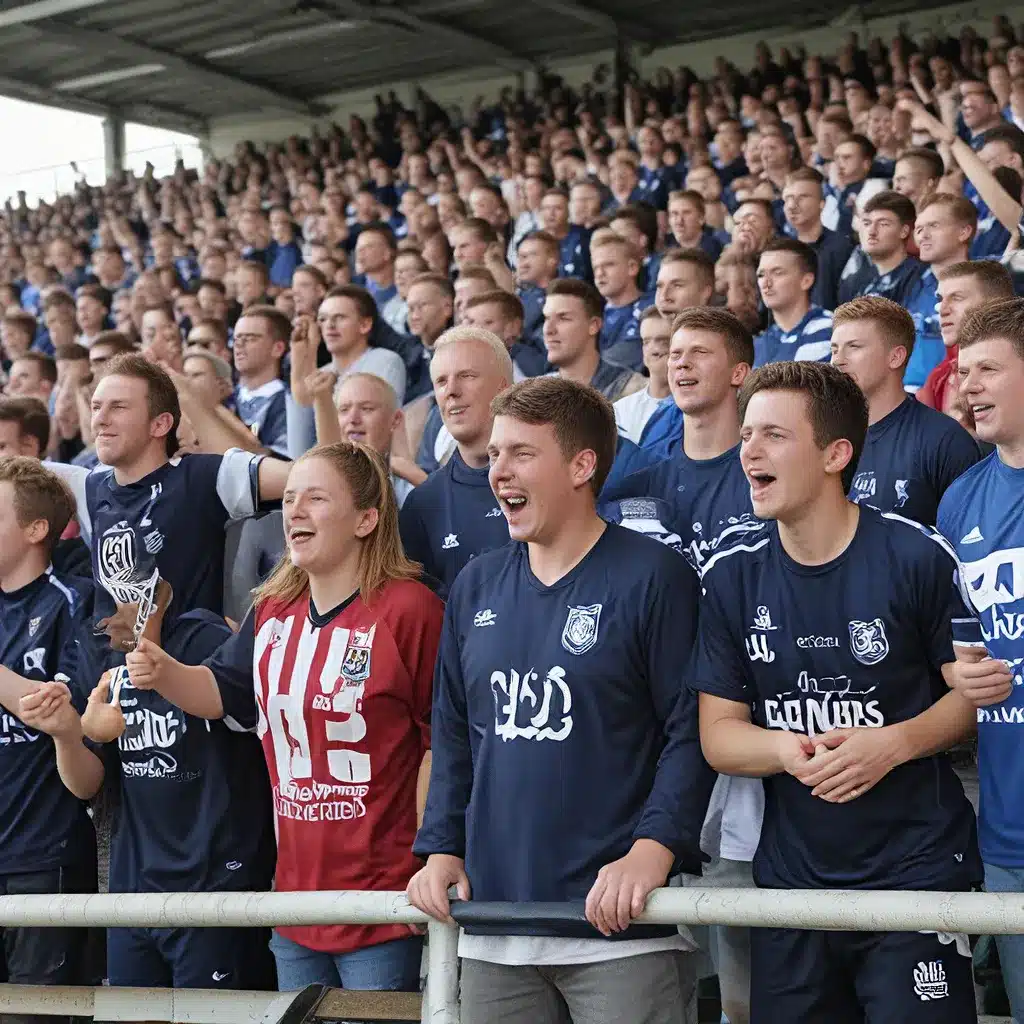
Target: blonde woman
[{"x": 333, "y": 669}]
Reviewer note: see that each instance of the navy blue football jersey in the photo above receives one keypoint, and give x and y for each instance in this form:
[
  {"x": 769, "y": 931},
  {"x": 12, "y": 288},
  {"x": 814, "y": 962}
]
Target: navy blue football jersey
[
  {"x": 855, "y": 643},
  {"x": 450, "y": 518},
  {"x": 709, "y": 499},
  {"x": 172, "y": 520},
  {"x": 42, "y": 825},
  {"x": 909, "y": 459},
  {"x": 195, "y": 796},
  {"x": 561, "y": 729}
]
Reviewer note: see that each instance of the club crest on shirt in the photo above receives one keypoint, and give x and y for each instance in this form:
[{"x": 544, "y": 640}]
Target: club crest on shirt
[
  {"x": 33, "y": 625},
  {"x": 355, "y": 666},
  {"x": 868, "y": 641},
  {"x": 580, "y": 631}
]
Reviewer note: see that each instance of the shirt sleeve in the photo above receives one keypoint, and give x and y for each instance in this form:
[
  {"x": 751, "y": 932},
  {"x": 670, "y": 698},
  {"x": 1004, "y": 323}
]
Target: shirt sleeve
[
  {"x": 944, "y": 605},
  {"x": 73, "y": 662},
  {"x": 718, "y": 666},
  {"x": 414, "y": 534},
  {"x": 238, "y": 482},
  {"x": 451, "y": 770},
  {"x": 678, "y": 802},
  {"x": 957, "y": 453},
  {"x": 274, "y": 430},
  {"x": 231, "y": 665},
  {"x": 417, "y": 633}
]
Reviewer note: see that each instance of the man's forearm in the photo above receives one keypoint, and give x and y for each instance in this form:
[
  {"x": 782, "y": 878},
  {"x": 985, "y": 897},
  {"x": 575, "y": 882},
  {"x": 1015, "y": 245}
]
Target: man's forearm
[
  {"x": 733, "y": 747},
  {"x": 191, "y": 688},
  {"x": 325, "y": 416},
  {"x": 80, "y": 769},
  {"x": 12, "y": 688},
  {"x": 218, "y": 430}
]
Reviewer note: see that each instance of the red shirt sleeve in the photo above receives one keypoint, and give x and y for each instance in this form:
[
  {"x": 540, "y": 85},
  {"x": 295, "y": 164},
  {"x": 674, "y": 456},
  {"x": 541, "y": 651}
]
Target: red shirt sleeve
[{"x": 415, "y": 619}]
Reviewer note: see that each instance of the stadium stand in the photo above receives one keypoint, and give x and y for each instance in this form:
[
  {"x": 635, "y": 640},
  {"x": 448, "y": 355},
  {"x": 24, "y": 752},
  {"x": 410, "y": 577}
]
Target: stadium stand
[{"x": 367, "y": 485}]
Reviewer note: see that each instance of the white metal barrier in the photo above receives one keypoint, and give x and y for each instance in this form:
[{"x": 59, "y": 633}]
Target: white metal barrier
[{"x": 842, "y": 910}]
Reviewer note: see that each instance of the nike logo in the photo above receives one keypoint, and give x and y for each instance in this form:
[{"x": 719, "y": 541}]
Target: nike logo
[
  {"x": 973, "y": 537},
  {"x": 217, "y": 976}
]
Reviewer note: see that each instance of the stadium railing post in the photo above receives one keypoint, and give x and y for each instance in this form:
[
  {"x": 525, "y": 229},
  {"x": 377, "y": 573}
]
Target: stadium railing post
[{"x": 441, "y": 996}]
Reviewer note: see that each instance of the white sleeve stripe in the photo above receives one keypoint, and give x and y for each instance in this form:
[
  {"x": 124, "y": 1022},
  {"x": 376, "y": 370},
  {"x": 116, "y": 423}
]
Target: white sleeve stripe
[
  {"x": 234, "y": 726},
  {"x": 718, "y": 555},
  {"x": 68, "y": 596},
  {"x": 812, "y": 351},
  {"x": 235, "y": 484}
]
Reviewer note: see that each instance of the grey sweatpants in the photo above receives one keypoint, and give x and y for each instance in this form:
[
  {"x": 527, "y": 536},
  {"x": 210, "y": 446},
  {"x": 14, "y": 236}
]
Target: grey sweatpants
[{"x": 653, "y": 988}]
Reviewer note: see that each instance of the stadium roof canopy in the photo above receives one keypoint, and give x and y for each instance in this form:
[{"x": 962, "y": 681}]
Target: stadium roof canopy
[{"x": 180, "y": 63}]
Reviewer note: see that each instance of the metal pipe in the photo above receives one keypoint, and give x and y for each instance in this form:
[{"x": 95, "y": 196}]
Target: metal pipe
[
  {"x": 441, "y": 998},
  {"x": 827, "y": 909}
]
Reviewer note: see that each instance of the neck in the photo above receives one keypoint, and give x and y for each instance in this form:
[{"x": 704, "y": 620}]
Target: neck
[
  {"x": 890, "y": 396},
  {"x": 658, "y": 388},
  {"x": 31, "y": 567},
  {"x": 788, "y": 318},
  {"x": 822, "y": 530},
  {"x": 1011, "y": 455},
  {"x": 625, "y": 297},
  {"x": 886, "y": 263},
  {"x": 150, "y": 461},
  {"x": 344, "y": 359},
  {"x": 937, "y": 266},
  {"x": 810, "y": 234},
  {"x": 383, "y": 278},
  {"x": 713, "y": 432},
  {"x": 474, "y": 453},
  {"x": 578, "y": 531},
  {"x": 582, "y": 368},
  {"x": 255, "y": 380},
  {"x": 693, "y": 242},
  {"x": 328, "y": 590}
]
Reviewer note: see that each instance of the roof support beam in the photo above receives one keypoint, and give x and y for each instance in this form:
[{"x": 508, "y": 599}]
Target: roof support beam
[
  {"x": 399, "y": 17},
  {"x": 143, "y": 113},
  {"x": 631, "y": 29},
  {"x": 109, "y": 44}
]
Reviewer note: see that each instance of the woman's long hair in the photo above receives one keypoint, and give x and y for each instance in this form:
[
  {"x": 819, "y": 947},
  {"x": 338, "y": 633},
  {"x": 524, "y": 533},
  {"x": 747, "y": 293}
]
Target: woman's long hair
[{"x": 381, "y": 558}]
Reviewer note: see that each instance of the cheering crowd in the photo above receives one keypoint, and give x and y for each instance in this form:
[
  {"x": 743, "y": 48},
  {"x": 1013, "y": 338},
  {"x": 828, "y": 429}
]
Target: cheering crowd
[{"x": 631, "y": 484}]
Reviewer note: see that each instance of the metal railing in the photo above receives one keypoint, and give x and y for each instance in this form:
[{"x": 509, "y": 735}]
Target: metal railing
[{"x": 827, "y": 910}]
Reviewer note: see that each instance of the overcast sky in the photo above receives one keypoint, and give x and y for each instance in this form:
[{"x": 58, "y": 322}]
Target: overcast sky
[{"x": 45, "y": 141}]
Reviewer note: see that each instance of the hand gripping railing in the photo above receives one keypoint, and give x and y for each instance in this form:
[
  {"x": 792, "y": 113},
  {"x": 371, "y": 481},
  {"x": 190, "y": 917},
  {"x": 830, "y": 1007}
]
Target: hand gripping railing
[{"x": 836, "y": 910}]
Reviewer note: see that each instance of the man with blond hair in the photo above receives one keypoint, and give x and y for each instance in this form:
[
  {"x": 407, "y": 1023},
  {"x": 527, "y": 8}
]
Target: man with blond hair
[
  {"x": 616, "y": 263},
  {"x": 453, "y": 515},
  {"x": 912, "y": 453}
]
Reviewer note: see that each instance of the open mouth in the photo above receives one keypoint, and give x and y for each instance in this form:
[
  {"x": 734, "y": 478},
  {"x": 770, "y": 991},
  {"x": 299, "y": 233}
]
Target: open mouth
[
  {"x": 686, "y": 382},
  {"x": 981, "y": 411},
  {"x": 512, "y": 502},
  {"x": 299, "y": 535},
  {"x": 759, "y": 483}
]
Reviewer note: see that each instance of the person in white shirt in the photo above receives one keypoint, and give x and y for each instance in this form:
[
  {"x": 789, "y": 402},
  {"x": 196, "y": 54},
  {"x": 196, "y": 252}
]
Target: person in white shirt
[{"x": 633, "y": 411}]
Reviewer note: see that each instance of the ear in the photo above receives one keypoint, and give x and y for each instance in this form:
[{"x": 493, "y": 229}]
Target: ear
[
  {"x": 806, "y": 282},
  {"x": 739, "y": 374},
  {"x": 583, "y": 466},
  {"x": 906, "y": 231},
  {"x": 37, "y": 531},
  {"x": 838, "y": 456},
  {"x": 594, "y": 326},
  {"x": 965, "y": 234},
  {"x": 368, "y": 520},
  {"x": 162, "y": 425},
  {"x": 898, "y": 357},
  {"x": 278, "y": 349}
]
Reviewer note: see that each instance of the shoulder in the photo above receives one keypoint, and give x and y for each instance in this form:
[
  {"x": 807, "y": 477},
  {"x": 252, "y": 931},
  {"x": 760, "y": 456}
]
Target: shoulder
[
  {"x": 428, "y": 491},
  {"x": 484, "y": 570},
  {"x": 383, "y": 357},
  {"x": 76, "y": 592},
  {"x": 958, "y": 493},
  {"x": 738, "y": 552},
  {"x": 408, "y": 600},
  {"x": 910, "y": 540},
  {"x": 820, "y": 320}
]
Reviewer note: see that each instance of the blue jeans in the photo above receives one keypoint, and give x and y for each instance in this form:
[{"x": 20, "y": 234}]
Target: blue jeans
[
  {"x": 388, "y": 967},
  {"x": 1011, "y": 947}
]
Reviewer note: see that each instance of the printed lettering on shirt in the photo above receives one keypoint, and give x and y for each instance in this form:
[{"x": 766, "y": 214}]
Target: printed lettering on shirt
[
  {"x": 13, "y": 730},
  {"x": 494, "y": 513},
  {"x": 868, "y": 642},
  {"x": 579, "y": 634},
  {"x": 35, "y": 660},
  {"x": 301, "y": 793},
  {"x": 864, "y": 486},
  {"x": 822, "y": 703},
  {"x": 758, "y": 649},
  {"x": 974, "y": 536},
  {"x": 521, "y": 712},
  {"x": 930, "y": 981},
  {"x": 997, "y": 579},
  {"x": 705, "y": 544},
  {"x": 485, "y": 617}
]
